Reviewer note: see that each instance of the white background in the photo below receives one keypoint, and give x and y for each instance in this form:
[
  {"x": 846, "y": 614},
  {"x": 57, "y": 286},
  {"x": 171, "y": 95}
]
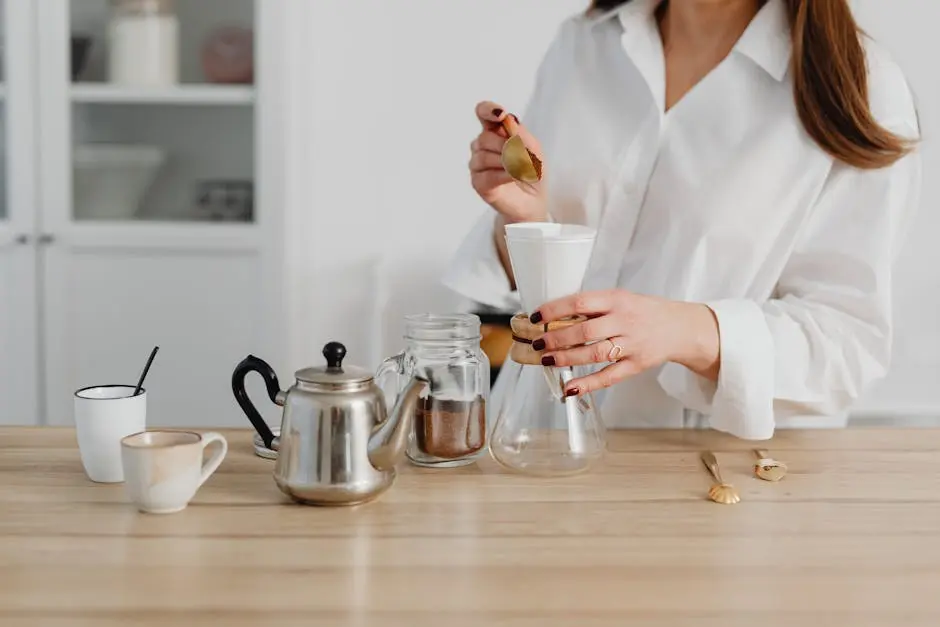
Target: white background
[
  {"x": 383, "y": 123},
  {"x": 384, "y": 120},
  {"x": 906, "y": 28}
]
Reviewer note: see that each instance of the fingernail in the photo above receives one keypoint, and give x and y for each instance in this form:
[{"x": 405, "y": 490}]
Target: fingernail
[
  {"x": 573, "y": 392},
  {"x": 497, "y": 112},
  {"x": 535, "y": 318},
  {"x": 548, "y": 360},
  {"x": 516, "y": 118},
  {"x": 538, "y": 345}
]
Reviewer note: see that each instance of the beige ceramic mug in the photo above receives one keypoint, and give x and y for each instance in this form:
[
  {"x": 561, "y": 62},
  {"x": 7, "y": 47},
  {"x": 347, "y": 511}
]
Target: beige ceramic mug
[{"x": 163, "y": 470}]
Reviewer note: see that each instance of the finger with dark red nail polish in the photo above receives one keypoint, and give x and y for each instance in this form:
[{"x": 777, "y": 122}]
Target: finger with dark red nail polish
[
  {"x": 497, "y": 112},
  {"x": 572, "y": 392},
  {"x": 548, "y": 360},
  {"x": 538, "y": 345},
  {"x": 535, "y": 318}
]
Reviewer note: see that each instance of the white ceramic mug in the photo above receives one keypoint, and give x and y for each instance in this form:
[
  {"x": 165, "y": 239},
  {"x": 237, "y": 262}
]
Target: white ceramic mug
[
  {"x": 103, "y": 415},
  {"x": 164, "y": 469}
]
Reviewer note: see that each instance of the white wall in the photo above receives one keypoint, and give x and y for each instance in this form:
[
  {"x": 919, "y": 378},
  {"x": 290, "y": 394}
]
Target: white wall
[
  {"x": 385, "y": 103},
  {"x": 381, "y": 165},
  {"x": 907, "y": 28}
]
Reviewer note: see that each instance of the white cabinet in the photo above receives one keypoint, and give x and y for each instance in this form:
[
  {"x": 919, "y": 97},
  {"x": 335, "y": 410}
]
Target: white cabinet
[
  {"x": 138, "y": 215},
  {"x": 19, "y": 328}
]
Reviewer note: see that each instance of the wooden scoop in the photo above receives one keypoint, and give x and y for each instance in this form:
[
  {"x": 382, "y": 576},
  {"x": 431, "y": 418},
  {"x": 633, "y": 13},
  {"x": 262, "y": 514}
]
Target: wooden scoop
[{"x": 518, "y": 161}]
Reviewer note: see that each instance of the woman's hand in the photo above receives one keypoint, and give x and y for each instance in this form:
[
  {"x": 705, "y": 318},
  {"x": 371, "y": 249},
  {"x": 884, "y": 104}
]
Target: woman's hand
[
  {"x": 634, "y": 332},
  {"x": 514, "y": 202}
]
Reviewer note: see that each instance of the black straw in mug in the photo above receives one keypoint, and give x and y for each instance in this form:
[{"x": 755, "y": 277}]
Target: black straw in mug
[{"x": 143, "y": 375}]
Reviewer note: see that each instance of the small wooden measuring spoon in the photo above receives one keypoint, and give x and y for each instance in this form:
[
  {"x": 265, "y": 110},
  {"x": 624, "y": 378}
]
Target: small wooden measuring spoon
[
  {"x": 721, "y": 492},
  {"x": 767, "y": 468},
  {"x": 518, "y": 161}
]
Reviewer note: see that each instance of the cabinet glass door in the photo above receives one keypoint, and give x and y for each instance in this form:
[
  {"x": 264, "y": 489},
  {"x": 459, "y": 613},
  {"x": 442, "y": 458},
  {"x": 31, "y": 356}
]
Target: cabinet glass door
[{"x": 162, "y": 110}]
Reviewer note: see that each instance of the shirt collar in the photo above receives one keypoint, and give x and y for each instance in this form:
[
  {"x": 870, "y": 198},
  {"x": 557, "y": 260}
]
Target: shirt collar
[
  {"x": 766, "y": 41},
  {"x": 628, "y": 13}
]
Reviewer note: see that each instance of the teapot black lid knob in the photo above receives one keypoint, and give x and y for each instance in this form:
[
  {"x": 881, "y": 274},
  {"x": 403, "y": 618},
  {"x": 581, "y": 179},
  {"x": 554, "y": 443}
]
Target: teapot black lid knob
[{"x": 334, "y": 353}]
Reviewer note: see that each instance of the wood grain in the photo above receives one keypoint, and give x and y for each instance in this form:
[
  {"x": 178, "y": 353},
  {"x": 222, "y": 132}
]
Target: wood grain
[{"x": 850, "y": 537}]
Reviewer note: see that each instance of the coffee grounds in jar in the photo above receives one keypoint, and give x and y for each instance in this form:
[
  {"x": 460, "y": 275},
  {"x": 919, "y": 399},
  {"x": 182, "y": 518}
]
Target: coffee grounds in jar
[{"x": 450, "y": 429}]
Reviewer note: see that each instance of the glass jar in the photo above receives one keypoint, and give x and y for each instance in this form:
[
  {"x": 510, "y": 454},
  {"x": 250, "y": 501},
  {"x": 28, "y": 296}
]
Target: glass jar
[
  {"x": 143, "y": 43},
  {"x": 450, "y": 424}
]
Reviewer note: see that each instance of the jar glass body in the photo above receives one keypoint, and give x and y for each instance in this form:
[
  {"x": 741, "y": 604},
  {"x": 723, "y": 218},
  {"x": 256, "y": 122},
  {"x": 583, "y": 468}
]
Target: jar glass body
[{"x": 450, "y": 423}]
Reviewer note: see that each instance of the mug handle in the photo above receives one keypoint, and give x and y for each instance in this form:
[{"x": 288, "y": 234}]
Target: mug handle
[{"x": 213, "y": 464}]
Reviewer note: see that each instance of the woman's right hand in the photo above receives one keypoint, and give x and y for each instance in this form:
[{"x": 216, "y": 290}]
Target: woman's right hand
[{"x": 515, "y": 202}]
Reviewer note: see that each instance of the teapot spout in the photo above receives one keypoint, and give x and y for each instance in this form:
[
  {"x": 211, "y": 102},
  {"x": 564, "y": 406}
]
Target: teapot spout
[{"x": 389, "y": 438}]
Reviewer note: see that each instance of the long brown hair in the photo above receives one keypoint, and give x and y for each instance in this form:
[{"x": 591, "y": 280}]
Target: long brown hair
[{"x": 830, "y": 83}]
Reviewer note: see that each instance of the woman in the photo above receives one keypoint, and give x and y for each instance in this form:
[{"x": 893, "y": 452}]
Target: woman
[{"x": 750, "y": 168}]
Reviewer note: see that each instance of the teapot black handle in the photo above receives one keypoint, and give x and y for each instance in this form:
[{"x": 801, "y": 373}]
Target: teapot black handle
[{"x": 255, "y": 364}]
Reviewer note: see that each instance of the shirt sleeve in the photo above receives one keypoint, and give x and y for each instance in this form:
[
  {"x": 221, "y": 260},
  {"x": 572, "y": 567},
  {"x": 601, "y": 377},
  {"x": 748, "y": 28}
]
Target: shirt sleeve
[
  {"x": 826, "y": 334},
  {"x": 475, "y": 271}
]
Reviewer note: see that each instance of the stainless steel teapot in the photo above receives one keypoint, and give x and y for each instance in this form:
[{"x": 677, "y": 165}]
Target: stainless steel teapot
[{"x": 337, "y": 444}]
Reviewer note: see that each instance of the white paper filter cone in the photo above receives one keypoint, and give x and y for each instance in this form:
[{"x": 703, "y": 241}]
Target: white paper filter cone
[{"x": 548, "y": 260}]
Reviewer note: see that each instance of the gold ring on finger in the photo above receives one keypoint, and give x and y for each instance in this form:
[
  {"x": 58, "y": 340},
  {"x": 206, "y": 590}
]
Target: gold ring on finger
[{"x": 615, "y": 352}]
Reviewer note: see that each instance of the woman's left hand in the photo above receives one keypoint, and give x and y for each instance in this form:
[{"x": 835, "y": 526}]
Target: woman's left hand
[{"x": 632, "y": 331}]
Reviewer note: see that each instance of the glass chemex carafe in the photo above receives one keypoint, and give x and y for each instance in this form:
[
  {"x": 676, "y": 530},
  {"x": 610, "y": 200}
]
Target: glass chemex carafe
[
  {"x": 538, "y": 430},
  {"x": 450, "y": 425}
]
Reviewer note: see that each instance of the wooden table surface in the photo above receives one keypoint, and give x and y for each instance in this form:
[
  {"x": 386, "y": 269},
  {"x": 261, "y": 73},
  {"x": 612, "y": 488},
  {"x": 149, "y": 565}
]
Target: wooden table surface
[{"x": 850, "y": 537}]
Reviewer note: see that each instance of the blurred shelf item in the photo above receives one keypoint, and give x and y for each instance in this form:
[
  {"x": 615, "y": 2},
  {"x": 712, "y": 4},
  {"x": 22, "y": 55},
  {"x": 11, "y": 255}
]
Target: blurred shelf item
[
  {"x": 143, "y": 43},
  {"x": 185, "y": 95},
  {"x": 111, "y": 180},
  {"x": 80, "y": 49},
  {"x": 228, "y": 56}
]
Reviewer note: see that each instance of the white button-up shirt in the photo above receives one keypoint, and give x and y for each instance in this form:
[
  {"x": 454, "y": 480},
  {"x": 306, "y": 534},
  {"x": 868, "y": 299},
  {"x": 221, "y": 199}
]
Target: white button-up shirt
[{"x": 724, "y": 199}]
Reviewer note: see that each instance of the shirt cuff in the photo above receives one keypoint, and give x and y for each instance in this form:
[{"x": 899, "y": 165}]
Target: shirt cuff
[
  {"x": 742, "y": 401},
  {"x": 476, "y": 272}
]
